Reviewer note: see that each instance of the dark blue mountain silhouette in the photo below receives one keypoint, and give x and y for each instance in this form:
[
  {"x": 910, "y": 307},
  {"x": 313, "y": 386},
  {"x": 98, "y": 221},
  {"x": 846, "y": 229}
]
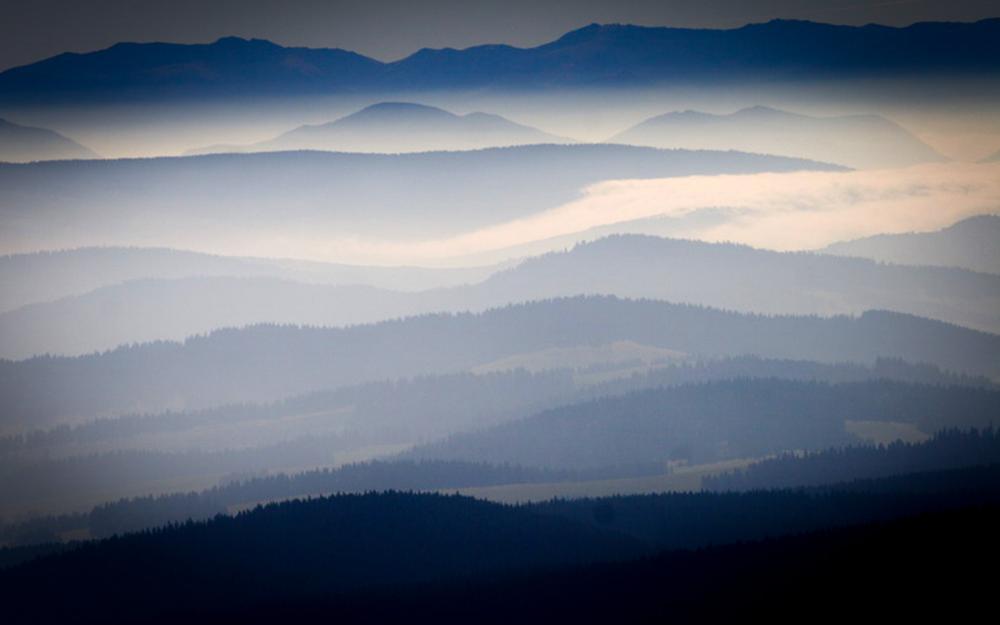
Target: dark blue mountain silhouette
[
  {"x": 595, "y": 55},
  {"x": 229, "y": 66}
]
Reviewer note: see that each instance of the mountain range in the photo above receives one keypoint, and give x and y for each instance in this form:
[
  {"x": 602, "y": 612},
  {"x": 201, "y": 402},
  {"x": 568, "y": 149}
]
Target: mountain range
[
  {"x": 393, "y": 127},
  {"x": 710, "y": 422},
  {"x": 392, "y": 557},
  {"x": 46, "y": 276},
  {"x": 858, "y": 141},
  {"x": 970, "y": 243},
  {"x": 23, "y": 144},
  {"x": 593, "y": 56},
  {"x": 719, "y": 275},
  {"x": 324, "y": 195},
  {"x": 268, "y": 362}
]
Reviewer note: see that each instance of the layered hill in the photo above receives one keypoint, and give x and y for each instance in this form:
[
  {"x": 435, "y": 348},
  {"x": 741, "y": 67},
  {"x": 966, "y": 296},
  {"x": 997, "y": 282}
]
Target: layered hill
[
  {"x": 394, "y": 127},
  {"x": 971, "y": 243},
  {"x": 405, "y": 196},
  {"x": 46, "y": 276},
  {"x": 859, "y": 141},
  {"x": 24, "y": 144},
  {"x": 392, "y": 557},
  {"x": 719, "y": 275},
  {"x": 593, "y": 56},
  {"x": 268, "y": 362}
]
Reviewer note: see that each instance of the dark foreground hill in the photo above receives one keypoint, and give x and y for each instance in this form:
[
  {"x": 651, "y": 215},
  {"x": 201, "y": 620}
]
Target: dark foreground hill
[
  {"x": 830, "y": 577},
  {"x": 464, "y": 559},
  {"x": 268, "y": 362},
  {"x": 945, "y": 452}
]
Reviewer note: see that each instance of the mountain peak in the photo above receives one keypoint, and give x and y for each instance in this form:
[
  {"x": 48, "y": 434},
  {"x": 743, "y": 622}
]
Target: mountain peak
[
  {"x": 861, "y": 141},
  {"x": 763, "y": 112},
  {"x": 242, "y": 42},
  {"x": 27, "y": 143},
  {"x": 382, "y": 108}
]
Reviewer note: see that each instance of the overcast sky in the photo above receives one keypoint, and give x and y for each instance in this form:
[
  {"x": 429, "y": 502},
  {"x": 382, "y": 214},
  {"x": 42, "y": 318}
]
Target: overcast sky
[{"x": 390, "y": 29}]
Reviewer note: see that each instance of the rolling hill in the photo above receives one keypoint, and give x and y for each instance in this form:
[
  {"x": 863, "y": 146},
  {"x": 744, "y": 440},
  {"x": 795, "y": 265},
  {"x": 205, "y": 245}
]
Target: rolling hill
[
  {"x": 711, "y": 422},
  {"x": 24, "y": 144},
  {"x": 718, "y": 275},
  {"x": 394, "y": 557},
  {"x": 267, "y": 362},
  {"x": 207, "y": 199},
  {"x": 45, "y": 276},
  {"x": 858, "y": 141},
  {"x": 972, "y": 243},
  {"x": 395, "y": 127}
]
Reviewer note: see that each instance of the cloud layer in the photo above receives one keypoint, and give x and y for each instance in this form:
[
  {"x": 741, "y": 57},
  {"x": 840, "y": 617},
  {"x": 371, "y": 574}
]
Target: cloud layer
[{"x": 796, "y": 211}]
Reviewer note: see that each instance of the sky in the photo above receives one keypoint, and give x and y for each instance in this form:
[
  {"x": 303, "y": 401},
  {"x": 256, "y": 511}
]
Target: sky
[{"x": 391, "y": 29}]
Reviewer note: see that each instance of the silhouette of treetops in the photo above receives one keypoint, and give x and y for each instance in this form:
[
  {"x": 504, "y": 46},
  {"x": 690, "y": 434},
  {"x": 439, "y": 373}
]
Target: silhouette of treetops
[
  {"x": 713, "y": 421},
  {"x": 138, "y": 513},
  {"x": 342, "y": 547},
  {"x": 265, "y": 363},
  {"x": 951, "y": 448}
]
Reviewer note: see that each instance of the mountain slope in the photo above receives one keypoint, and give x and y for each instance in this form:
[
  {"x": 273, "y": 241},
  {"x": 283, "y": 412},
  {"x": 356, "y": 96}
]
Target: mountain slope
[
  {"x": 711, "y": 422},
  {"x": 268, "y": 362},
  {"x": 46, "y": 276},
  {"x": 23, "y": 144},
  {"x": 368, "y": 559},
  {"x": 394, "y": 127},
  {"x": 206, "y": 199},
  {"x": 347, "y": 543},
  {"x": 147, "y": 71},
  {"x": 972, "y": 243},
  {"x": 860, "y": 141},
  {"x": 738, "y": 277},
  {"x": 596, "y": 55},
  {"x": 719, "y": 275}
]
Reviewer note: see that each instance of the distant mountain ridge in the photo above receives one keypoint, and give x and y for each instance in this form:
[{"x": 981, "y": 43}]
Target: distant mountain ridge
[
  {"x": 393, "y": 127},
  {"x": 725, "y": 276},
  {"x": 972, "y": 243},
  {"x": 46, "y": 276},
  {"x": 593, "y": 56},
  {"x": 337, "y": 194},
  {"x": 23, "y": 144},
  {"x": 709, "y": 422},
  {"x": 862, "y": 141},
  {"x": 268, "y": 362}
]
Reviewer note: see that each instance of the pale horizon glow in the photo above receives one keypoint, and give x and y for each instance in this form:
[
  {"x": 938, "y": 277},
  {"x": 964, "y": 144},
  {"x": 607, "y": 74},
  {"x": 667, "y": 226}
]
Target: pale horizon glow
[{"x": 778, "y": 211}]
